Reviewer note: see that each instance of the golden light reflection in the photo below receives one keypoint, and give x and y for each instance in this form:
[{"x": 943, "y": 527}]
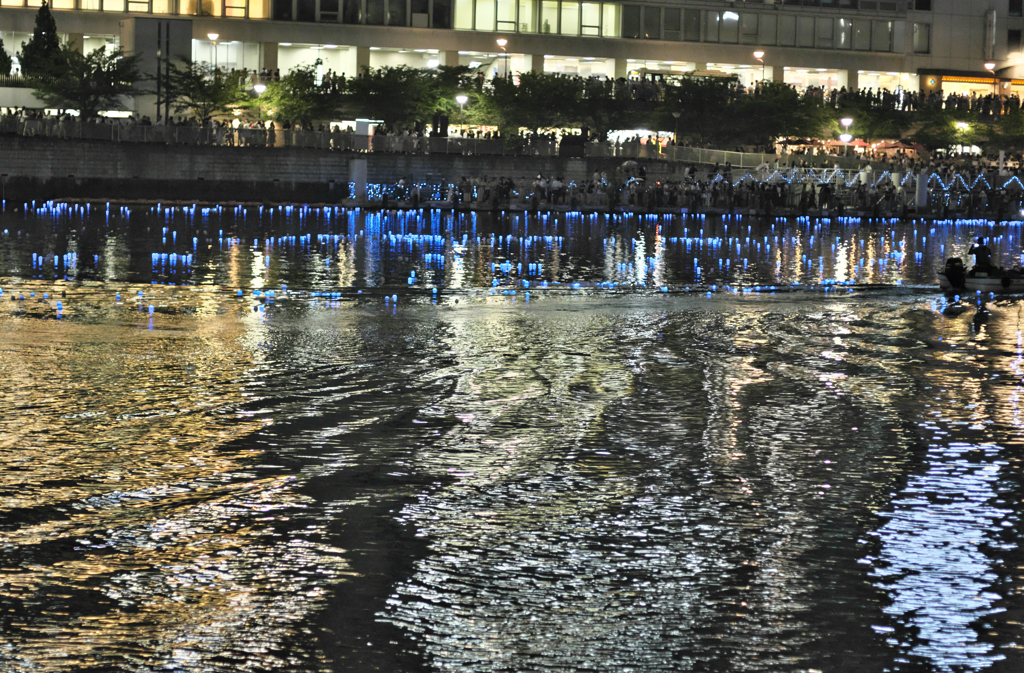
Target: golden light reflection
[
  {"x": 683, "y": 469},
  {"x": 142, "y": 489}
]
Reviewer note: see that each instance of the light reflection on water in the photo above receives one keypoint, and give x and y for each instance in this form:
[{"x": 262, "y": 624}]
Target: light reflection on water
[
  {"x": 592, "y": 480},
  {"x": 334, "y": 248}
]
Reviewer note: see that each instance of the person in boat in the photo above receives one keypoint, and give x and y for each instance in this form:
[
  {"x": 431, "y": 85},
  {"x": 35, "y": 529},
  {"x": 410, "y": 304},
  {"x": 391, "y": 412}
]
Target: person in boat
[{"x": 982, "y": 255}]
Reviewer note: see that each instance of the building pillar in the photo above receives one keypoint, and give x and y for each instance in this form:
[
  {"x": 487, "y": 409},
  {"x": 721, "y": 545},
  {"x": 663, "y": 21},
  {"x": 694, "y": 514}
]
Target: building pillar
[
  {"x": 268, "y": 58},
  {"x": 534, "y": 62},
  {"x": 849, "y": 79},
  {"x": 357, "y": 174},
  {"x": 921, "y": 198},
  {"x": 362, "y": 58},
  {"x": 450, "y": 58},
  {"x": 615, "y": 67},
  {"x": 76, "y": 41}
]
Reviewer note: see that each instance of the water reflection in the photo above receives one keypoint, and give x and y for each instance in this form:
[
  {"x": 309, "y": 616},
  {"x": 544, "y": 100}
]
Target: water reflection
[
  {"x": 331, "y": 247},
  {"x": 606, "y": 477}
]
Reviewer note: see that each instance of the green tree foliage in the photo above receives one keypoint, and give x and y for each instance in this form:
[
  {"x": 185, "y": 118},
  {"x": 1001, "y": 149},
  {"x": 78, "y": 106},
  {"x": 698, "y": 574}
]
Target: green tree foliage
[
  {"x": 713, "y": 112},
  {"x": 90, "y": 82},
  {"x": 399, "y": 96},
  {"x": 201, "y": 90},
  {"x": 540, "y": 101},
  {"x": 42, "y": 53},
  {"x": 446, "y": 82},
  {"x": 946, "y": 129},
  {"x": 871, "y": 122},
  {"x": 298, "y": 97},
  {"x": 708, "y": 111},
  {"x": 6, "y": 62},
  {"x": 1008, "y": 131},
  {"x": 778, "y": 110},
  {"x": 608, "y": 109}
]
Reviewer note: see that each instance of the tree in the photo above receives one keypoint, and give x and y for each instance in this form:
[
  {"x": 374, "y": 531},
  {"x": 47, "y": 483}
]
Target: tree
[
  {"x": 945, "y": 129},
  {"x": 6, "y": 62},
  {"x": 1007, "y": 132},
  {"x": 607, "y": 109},
  {"x": 444, "y": 83},
  {"x": 200, "y": 89},
  {"x": 90, "y": 82},
  {"x": 43, "y": 50},
  {"x": 397, "y": 96},
  {"x": 872, "y": 122},
  {"x": 538, "y": 101},
  {"x": 776, "y": 111},
  {"x": 298, "y": 97},
  {"x": 707, "y": 111}
]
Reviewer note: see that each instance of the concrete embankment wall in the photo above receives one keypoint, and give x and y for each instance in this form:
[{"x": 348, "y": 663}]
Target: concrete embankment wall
[{"x": 45, "y": 168}]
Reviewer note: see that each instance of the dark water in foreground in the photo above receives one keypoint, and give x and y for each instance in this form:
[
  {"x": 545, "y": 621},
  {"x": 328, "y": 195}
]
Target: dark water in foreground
[{"x": 598, "y": 479}]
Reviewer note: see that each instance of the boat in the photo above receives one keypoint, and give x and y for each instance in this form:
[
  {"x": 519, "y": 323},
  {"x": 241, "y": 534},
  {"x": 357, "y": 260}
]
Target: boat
[
  {"x": 996, "y": 281},
  {"x": 952, "y": 275}
]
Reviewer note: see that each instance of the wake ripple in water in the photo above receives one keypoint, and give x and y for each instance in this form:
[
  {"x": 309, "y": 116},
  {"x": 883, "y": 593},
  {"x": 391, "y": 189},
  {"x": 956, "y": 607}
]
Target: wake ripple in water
[{"x": 596, "y": 479}]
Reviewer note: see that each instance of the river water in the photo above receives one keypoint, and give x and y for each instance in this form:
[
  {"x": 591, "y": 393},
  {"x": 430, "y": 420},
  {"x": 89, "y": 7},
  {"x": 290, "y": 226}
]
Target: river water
[{"x": 661, "y": 459}]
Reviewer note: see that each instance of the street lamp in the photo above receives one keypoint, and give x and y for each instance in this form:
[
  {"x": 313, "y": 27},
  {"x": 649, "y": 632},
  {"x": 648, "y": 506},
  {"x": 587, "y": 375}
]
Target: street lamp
[
  {"x": 846, "y": 138},
  {"x": 259, "y": 89},
  {"x": 501, "y": 43},
  {"x": 677, "y": 114},
  {"x": 962, "y": 128},
  {"x": 759, "y": 55},
  {"x": 991, "y": 67},
  {"x": 461, "y": 100},
  {"x": 213, "y": 38}
]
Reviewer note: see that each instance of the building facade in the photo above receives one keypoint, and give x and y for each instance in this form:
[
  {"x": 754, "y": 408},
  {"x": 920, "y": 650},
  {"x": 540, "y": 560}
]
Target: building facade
[{"x": 956, "y": 45}]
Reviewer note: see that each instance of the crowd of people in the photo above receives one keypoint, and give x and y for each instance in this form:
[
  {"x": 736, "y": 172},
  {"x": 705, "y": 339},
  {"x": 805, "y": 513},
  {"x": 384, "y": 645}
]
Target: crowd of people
[
  {"x": 717, "y": 188},
  {"x": 324, "y": 136},
  {"x": 905, "y": 100},
  {"x": 911, "y": 101},
  {"x": 778, "y": 185},
  {"x": 699, "y": 189},
  {"x": 178, "y": 130}
]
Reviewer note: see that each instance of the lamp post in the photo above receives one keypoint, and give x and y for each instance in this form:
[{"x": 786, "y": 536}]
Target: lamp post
[
  {"x": 846, "y": 138},
  {"x": 677, "y": 114},
  {"x": 501, "y": 43},
  {"x": 846, "y": 121},
  {"x": 259, "y": 88},
  {"x": 961, "y": 128},
  {"x": 759, "y": 55},
  {"x": 213, "y": 38},
  {"x": 991, "y": 67},
  {"x": 461, "y": 100}
]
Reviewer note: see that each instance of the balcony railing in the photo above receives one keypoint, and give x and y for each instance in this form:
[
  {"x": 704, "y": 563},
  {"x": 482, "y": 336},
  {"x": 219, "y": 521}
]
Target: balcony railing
[{"x": 15, "y": 81}]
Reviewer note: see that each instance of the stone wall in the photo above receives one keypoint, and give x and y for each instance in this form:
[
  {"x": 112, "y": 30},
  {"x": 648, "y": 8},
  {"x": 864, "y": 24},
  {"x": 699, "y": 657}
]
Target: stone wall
[{"x": 45, "y": 168}]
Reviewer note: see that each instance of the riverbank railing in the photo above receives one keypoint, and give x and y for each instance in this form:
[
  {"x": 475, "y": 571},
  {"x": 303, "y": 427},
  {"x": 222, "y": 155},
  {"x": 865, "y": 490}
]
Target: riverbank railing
[{"x": 338, "y": 140}]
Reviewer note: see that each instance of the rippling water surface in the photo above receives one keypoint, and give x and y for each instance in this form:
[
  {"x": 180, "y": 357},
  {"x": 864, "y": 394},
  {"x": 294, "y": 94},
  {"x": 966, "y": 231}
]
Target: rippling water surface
[{"x": 708, "y": 445}]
